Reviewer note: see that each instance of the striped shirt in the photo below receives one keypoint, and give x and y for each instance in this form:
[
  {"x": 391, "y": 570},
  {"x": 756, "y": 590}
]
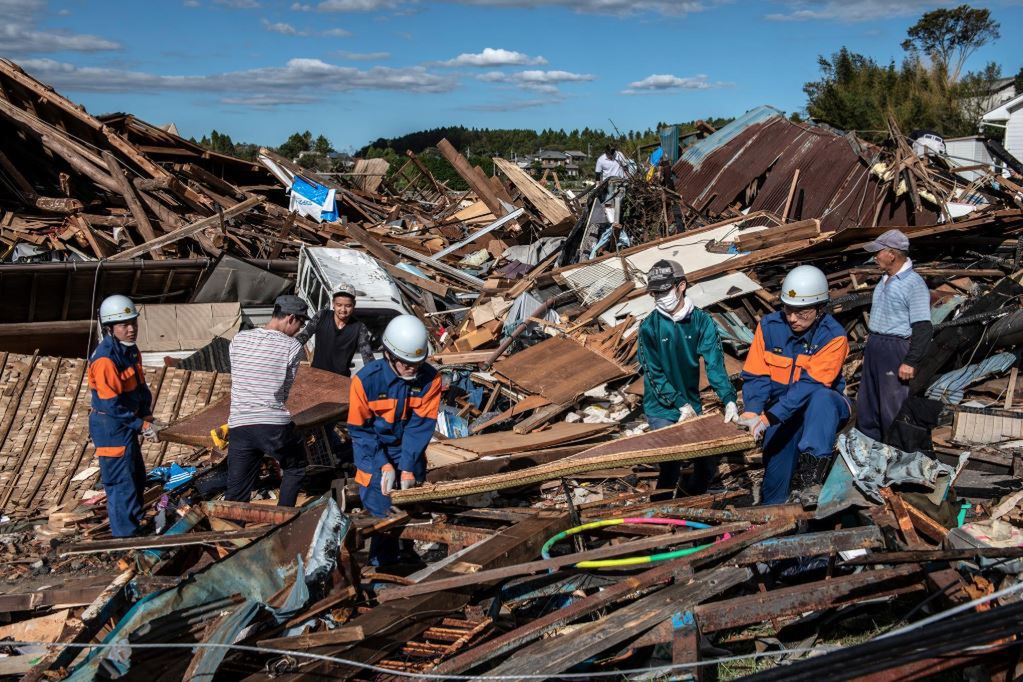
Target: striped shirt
[
  {"x": 899, "y": 301},
  {"x": 263, "y": 367}
]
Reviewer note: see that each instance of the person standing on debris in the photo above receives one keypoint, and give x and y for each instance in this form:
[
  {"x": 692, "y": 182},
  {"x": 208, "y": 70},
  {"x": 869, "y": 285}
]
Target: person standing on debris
[
  {"x": 900, "y": 332},
  {"x": 672, "y": 340},
  {"x": 121, "y": 410},
  {"x": 339, "y": 334},
  {"x": 264, "y": 362},
  {"x": 610, "y": 164},
  {"x": 793, "y": 389},
  {"x": 392, "y": 413}
]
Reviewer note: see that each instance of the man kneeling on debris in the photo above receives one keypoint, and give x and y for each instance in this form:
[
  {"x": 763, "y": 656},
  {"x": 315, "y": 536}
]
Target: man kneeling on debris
[
  {"x": 392, "y": 414},
  {"x": 671, "y": 342},
  {"x": 264, "y": 362},
  {"x": 121, "y": 410},
  {"x": 793, "y": 386}
]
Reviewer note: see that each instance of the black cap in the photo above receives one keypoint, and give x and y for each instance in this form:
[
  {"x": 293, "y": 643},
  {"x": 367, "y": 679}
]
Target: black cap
[
  {"x": 663, "y": 276},
  {"x": 292, "y": 305}
]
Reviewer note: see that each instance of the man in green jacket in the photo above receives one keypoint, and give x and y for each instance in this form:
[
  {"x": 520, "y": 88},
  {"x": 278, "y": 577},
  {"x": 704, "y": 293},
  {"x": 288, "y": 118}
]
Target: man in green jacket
[{"x": 672, "y": 339}]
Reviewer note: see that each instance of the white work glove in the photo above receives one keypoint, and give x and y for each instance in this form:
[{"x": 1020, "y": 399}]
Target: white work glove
[
  {"x": 685, "y": 412},
  {"x": 151, "y": 430},
  {"x": 408, "y": 480},
  {"x": 731, "y": 412},
  {"x": 387, "y": 477},
  {"x": 753, "y": 423}
]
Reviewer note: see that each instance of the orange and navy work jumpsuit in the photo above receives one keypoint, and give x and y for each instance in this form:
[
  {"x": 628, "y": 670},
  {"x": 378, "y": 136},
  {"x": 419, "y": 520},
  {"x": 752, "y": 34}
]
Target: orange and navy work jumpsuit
[
  {"x": 795, "y": 382},
  {"x": 121, "y": 408},
  {"x": 390, "y": 421}
]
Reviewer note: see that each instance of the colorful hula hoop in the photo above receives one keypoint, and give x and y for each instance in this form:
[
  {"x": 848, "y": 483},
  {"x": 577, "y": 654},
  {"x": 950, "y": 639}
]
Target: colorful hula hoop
[{"x": 627, "y": 561}]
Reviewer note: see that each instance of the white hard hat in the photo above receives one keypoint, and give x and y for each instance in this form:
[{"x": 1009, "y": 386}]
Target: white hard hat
[
  {"x": 804, "y": 286},
  {"x": 116, "y": 309},
  {"x": 406, "y": 338}
]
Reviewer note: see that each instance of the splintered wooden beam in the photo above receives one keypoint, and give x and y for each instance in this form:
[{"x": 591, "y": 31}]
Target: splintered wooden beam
[
  {"x": 695, "y": 438},
  {"x": 188, "y": 230},
  {"x": 134, "y": 205}
]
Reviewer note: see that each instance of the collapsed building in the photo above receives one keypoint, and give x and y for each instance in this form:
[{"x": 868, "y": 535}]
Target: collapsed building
[{"x": 540, "y": 550}]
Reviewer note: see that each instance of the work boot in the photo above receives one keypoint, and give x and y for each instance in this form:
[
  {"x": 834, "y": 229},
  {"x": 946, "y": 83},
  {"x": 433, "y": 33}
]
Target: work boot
[{"x": 808, "y": 478}]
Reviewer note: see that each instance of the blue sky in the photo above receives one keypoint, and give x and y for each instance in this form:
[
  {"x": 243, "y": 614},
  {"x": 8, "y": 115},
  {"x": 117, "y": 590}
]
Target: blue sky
[{"x": 356, "y": 70}]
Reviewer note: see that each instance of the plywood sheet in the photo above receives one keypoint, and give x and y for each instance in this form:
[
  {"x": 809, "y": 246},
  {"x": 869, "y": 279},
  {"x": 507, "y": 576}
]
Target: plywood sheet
[
  {"x": 550, "y": 207},
  {"x": 317, "y": 396},
  {"x": 560, "y": 369},
  {"x": 505, "y": 443}
]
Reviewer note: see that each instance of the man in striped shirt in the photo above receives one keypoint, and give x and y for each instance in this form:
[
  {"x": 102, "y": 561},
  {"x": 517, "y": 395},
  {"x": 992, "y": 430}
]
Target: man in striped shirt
[
  {"x": 264, "y": 362},
  {"x": 900, "y": 332}
]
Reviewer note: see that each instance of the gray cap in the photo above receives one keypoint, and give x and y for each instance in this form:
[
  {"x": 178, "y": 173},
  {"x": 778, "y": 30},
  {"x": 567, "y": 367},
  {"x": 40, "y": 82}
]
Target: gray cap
[
  {"x": 892, "y": 239},
  {"x": 292, "y": 305},
  {"x": 344, "y": 289},
  {"x": 663, "y": 276}
]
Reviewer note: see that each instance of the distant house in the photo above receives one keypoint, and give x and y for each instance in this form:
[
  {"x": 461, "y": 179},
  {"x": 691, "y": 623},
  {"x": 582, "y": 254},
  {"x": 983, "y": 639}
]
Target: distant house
[
  {"x": 575, "y": 156},
  {"x": 1000, "y": 92},
  {"x": 1009, "y": 115},
  {"x": 552, "y": 159},
  {"x": 571, "y": 170}
]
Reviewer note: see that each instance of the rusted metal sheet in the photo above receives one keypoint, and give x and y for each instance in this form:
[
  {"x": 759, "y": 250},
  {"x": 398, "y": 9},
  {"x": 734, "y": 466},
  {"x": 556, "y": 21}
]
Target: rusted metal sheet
[
  {"x": 316, "y": 397},
  {"x": 834, "y": 184},
  {"x": 560, "y": 369}
]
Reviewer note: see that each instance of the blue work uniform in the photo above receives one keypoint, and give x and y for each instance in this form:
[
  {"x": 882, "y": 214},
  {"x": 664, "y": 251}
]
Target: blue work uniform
[
  {"x": 795, "y": 383},
  {"x": 121, "y": 408},
  {"x": 390, "y": 421}
]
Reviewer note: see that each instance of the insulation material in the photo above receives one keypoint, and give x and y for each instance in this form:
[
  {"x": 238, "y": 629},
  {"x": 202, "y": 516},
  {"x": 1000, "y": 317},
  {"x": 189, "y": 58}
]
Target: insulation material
[{"x": 186, "y": 326}]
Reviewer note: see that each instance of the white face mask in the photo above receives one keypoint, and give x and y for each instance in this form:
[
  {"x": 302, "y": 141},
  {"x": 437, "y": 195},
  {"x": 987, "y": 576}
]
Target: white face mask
[
  {"x": 129, "y": 344},
  {"x": 668, "y": 301}
]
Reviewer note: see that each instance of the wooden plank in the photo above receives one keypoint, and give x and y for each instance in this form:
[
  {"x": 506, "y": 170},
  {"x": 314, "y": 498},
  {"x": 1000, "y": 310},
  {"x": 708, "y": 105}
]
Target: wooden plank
[
  {"x": 188, "y": 230},
  {"x": 432, "y": 286},
  {"x": 477, "y": 181},
  {"x": 371, "y": 244},
  {"x": 134, "y": 205},
  {"x": 341, "y": 635},
  {"x": 700, "y": 437},
  {"x": 164, "y": 541},
  {"x": 549, "y": 657},
  {"x": 781, "y": 234},
  {"x": 603, "y": 305},
  {"x": 550, "y": 207}
]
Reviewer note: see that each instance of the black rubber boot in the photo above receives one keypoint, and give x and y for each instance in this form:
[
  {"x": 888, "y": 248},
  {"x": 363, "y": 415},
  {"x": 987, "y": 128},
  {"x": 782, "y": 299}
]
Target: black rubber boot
[{"x": 808, "y": 478}]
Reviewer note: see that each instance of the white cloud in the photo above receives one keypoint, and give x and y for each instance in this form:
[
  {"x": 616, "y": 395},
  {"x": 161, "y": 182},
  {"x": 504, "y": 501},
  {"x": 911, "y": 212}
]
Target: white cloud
[
  {"x": 282, "y": 28},
  {"x": 362, "y": 56},
  {"x": 357, "y": 5},
  {"x": 238, "y": 4},
  {"x": 535, "y": 80},
  {"x": 299, "y": 7},
  {"x": 191, "y": 3},
  {"x": 665, "y": 7},
  {"x": 665, "y": 82},
  {"x": 851, "y": 10},
  {"x": 304, "y": 78},
  {"x": 268, "y": 101},
  {"x": 515, "y": 105},
  {"x": 491, "y": 57},
  {"x": 20, "y": 33},
  {"x": 336, "y": 33}
]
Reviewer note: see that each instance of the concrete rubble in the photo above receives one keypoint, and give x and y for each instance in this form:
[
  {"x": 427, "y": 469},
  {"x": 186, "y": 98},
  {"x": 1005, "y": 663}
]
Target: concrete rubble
[{"x": 533, "y": 297}]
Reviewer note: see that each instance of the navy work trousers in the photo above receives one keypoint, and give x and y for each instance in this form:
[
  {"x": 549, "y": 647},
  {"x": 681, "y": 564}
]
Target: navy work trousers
[
  {"x": 245, "y": 451},
  {"x": 881, "y": 393},
  {"x": 812, "y": 430},
  {"x": 696, "y": 483},
  {"x": 384, "y": 548},
  {"x": 124, "y": 480}
]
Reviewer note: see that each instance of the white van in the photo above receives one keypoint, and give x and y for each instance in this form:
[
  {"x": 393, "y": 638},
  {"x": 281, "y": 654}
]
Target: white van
[{"x": 378, "y": 300}]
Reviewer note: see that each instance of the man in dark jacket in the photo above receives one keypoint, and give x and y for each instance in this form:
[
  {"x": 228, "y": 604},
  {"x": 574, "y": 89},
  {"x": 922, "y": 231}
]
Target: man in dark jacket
[{"x": 338, "y": 334}]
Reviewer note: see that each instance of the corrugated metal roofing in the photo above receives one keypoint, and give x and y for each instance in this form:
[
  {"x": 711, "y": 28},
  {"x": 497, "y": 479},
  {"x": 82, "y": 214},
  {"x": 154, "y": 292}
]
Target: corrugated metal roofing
[{"x": 752, "y": 162}]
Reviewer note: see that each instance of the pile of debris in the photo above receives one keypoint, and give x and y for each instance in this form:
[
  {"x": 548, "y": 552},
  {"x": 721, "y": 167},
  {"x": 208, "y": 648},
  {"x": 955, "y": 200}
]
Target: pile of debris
[{"x": 537, "y": 545}]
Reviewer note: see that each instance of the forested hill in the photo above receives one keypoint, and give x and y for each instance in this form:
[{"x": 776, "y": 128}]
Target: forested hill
[{"x": 505, "y": 142}]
